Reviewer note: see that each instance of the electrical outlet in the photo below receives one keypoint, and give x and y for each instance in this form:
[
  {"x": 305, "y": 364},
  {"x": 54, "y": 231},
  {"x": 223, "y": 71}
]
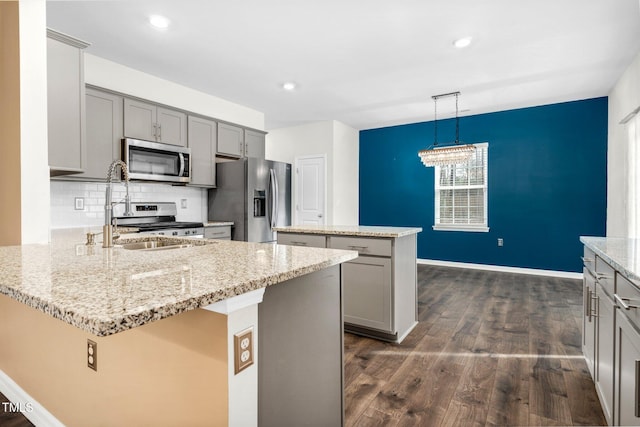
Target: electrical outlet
[
  {"x": 183, "y": 203},
  {"x": 500, "y": 242},
  {"x": 92, "y": 355},
  {"x": 243, "y": 349},
  {"x": 79, "y": 203}
]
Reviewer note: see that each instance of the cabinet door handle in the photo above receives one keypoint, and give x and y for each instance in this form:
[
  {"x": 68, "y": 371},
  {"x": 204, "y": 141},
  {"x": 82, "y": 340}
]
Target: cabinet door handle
[
  {"x": 155, "y": 130},
  {"x": 594, "y": 310},
  {"x": 587, "y": 304},
  {"x": 637, "y": 405},
  {"x": 159, "y": 132},
  {"x": 358, "y": 248},
  {"x": 602, "y": 276},
  {"x": 587, "y": 259},
  {"x": 299, "y": 243},
  {"x": 622, "y": 302}
]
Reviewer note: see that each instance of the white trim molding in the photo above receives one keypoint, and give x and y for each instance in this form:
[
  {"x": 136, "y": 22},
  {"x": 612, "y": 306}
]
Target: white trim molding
[
  {"x": 229, "y": 305},
  {"x": 29, "y": 407},
  {"x": 504, "y": 269}
]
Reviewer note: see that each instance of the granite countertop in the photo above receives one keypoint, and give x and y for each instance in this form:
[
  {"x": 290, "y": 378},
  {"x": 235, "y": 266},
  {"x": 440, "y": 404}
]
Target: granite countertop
[
  {"x": 218, "y": 223},
  {"x": 621, "y": 253},
  {"x": 352, "y": 230},
  {"x": 106, "y": 291}
]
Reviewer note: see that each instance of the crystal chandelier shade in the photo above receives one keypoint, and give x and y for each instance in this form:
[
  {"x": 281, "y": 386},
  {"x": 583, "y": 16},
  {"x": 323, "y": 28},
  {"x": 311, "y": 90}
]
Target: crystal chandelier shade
[{"x": 448, "y": 155}]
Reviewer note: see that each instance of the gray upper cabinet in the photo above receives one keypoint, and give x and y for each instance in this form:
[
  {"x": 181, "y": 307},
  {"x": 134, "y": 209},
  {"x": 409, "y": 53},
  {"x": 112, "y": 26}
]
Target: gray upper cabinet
[
  {"x": 234, "y": 141},
  {"x": 202, "y": 141},
  {"x": 254, "y": 144},
  {"x": 65, "y": 104},
  {"x": 152, "y": 122},
  {"x": 104, "y": 132},
  {"x": 230, "y": 140}
]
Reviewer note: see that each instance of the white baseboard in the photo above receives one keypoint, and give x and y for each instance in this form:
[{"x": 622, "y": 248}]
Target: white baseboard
[
  {"x": 35, "y": 412},
  {"x": 518, "y": 270}
]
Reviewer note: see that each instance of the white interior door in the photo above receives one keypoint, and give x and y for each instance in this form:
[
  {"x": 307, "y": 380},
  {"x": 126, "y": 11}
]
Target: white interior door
[{"x": 310, "y": 190}]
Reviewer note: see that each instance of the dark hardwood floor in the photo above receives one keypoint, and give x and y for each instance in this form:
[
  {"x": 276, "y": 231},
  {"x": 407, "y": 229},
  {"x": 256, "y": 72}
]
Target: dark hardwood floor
[{"x": 491, "y": 349}]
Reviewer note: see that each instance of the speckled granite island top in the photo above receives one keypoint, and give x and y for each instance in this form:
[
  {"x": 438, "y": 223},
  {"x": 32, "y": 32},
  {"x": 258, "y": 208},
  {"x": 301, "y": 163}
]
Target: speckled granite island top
[
  {"x": 352, "y": 230},
  {"x": 621, "y": 253},
  {"x": 106, "y": 291}
]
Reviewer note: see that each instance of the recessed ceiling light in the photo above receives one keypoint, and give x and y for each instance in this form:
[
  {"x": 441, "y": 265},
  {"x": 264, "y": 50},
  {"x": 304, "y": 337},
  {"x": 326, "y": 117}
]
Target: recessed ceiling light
[
  {"x": 159, "y": 21},
  {"x": 289, "y": 86},
  {"x": 463, "y": 42}
]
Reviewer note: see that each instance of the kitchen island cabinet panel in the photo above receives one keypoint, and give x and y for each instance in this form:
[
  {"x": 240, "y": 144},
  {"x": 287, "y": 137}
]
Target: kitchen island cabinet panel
[
  {"x": 367, "y": 293},
  {"x": 605, "y": 345},
  {"x": 65, "y": 103},
  {"x": 300, "y": 364},
  {"x": 202, "y": 141}
]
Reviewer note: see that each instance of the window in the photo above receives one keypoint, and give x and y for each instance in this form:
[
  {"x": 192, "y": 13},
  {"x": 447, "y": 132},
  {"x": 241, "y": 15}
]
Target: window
[{"x": 461, "y": 194}]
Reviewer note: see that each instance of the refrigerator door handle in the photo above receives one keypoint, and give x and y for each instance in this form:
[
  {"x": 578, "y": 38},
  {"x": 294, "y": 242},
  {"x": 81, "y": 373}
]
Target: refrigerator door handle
[
  {"x": 276, "y": 199},
  {"x": 273, "y": 198}
]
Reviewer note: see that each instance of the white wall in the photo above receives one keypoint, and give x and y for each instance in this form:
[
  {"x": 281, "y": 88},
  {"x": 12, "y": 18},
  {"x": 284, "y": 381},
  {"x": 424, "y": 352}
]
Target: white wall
[
  {"x": 34, "y": 169},
  {"x": 111, "y": 75},
  {"x": 340, "y": 145},
  {"x": 346, "y": 161},
  {"x": 623, "y": 99}
]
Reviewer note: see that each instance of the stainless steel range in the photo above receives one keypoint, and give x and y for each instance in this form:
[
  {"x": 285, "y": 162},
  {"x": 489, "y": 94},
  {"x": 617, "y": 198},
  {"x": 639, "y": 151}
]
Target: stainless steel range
[{"x": 156, "y": 218}]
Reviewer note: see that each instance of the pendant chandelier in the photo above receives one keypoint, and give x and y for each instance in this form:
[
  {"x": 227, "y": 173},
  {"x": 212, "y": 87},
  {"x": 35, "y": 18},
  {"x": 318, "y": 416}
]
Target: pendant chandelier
[{"x": 446, "y": 155}]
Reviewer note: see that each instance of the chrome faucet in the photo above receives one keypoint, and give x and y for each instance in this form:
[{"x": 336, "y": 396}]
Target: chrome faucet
[{"x": 107, "y": 230}]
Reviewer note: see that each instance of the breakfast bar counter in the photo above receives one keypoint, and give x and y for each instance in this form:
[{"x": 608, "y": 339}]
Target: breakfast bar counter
[{"x": 192, "y": 332}]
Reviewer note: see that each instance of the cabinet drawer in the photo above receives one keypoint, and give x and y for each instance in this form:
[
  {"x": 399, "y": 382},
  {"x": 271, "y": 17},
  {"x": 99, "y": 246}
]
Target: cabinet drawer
[
  {"x": 364, "y": 246},
  {"x": 606, "y": 276},
  {"x": 311, "y": 240},
  {"x": 223, "y": 233},
  {"x": 630, "y": 295}
]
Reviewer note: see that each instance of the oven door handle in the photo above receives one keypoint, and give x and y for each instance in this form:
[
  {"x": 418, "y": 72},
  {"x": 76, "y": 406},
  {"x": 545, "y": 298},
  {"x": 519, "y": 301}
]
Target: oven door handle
[{"x": 181, "y": 172}]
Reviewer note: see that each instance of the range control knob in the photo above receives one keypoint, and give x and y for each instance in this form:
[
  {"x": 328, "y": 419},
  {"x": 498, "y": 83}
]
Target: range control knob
[{"x": 175, "y": 233}]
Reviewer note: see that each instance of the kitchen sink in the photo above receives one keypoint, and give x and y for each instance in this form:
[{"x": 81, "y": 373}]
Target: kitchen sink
[{"x": 155, "y": 245}]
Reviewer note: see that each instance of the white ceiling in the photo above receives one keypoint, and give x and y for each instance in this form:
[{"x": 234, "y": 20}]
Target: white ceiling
[{"x": 367, "y": 63}]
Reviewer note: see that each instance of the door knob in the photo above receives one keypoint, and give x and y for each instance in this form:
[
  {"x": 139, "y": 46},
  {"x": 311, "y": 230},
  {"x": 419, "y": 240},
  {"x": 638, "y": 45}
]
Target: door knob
[{"x": 319, "y": 215}]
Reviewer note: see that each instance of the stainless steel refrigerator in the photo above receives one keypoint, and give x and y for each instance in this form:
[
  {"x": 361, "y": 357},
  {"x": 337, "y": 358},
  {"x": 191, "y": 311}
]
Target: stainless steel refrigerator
[{"x": 253, "y": 193}]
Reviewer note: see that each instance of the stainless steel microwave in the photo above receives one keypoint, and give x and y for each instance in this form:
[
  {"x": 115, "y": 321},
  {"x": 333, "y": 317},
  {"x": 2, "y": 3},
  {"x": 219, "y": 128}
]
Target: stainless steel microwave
[{"x": 154, "y": 161}]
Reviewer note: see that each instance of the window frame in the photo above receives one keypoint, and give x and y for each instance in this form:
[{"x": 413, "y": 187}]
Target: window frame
[{"x": 478, "y": 228}]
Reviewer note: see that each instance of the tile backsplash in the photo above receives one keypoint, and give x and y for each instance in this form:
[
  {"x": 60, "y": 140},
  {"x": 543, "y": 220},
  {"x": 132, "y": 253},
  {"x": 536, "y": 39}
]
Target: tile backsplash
[{"x": 64, "y": 193}]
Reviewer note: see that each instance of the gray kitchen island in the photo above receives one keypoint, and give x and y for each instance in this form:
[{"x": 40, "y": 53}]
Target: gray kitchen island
[{"x": 380, "y": 286}]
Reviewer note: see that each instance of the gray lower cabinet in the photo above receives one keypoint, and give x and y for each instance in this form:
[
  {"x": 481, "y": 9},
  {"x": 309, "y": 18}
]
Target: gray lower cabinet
[
  {"x": 65, "y": 104},
  {"x": 150, "y": 122},
  {"x": 218, "y": 232},
  {"x": 104, "y": 132},
  {"x": 604, "y": 375},
  {"x": 589, "y": 320},
  {"x": 202, "y": 142},
  {"x": 367, "y": 292},
  {"x": 627, "y": 366},
  {"x": 611, "y": 339}
]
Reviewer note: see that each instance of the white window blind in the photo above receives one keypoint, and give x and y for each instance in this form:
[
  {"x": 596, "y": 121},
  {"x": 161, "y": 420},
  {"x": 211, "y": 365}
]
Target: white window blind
[{"x": 461, "y": 194}]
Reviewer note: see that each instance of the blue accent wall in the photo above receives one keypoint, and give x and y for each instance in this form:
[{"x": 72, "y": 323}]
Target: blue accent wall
[{"x": 547, "y": 184}]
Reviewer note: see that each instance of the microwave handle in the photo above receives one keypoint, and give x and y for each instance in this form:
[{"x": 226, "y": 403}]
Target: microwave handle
[{"x": 181, "y": 173}]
